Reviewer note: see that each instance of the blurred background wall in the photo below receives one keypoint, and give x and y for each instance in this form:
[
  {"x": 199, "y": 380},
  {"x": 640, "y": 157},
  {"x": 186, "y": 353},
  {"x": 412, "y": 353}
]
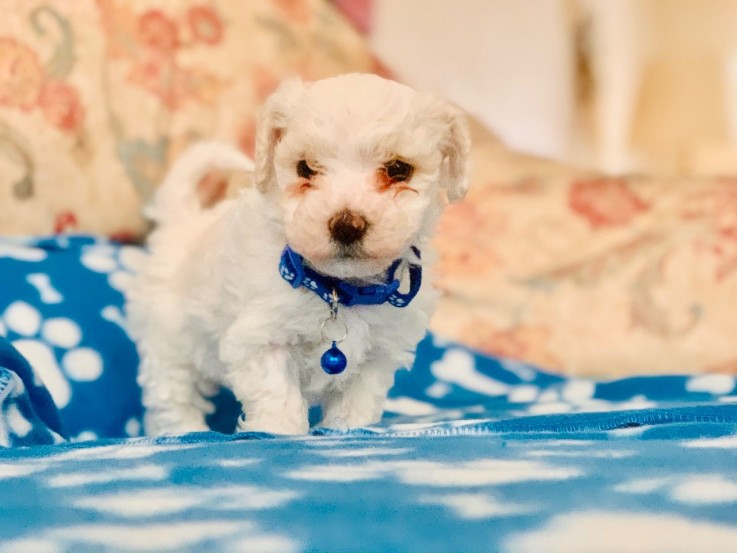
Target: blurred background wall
[{"x": 617, "y": 85}]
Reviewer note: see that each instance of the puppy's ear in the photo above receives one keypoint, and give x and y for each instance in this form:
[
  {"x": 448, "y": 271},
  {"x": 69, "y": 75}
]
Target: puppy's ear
[
  {"x": 455, "y": 148},
  {"x": 272, "y": 122}
]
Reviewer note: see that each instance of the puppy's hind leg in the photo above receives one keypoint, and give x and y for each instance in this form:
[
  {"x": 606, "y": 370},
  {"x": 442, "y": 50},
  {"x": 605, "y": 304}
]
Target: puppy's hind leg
[{"x": 171, "y": 397}]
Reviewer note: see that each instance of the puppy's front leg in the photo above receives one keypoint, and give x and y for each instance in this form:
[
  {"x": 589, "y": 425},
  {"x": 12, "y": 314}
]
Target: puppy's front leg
[
  {"x": 270, "y": 394},
  {"x": 359, "y": 401}
]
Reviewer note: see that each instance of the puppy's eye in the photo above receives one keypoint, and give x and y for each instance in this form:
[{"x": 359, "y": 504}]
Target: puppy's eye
[
  {"x": 304, "y": 170},
  {"x": 398, "y": 171}
]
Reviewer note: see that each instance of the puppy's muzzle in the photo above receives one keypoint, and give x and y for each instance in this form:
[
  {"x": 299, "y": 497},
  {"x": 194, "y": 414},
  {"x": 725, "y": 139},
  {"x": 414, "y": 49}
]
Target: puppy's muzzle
[{"x": 347, "y": 227}]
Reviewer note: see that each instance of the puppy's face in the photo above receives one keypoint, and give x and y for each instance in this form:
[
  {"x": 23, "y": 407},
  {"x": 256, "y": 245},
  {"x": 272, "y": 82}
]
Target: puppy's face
[{"x": 361, "y": 168}]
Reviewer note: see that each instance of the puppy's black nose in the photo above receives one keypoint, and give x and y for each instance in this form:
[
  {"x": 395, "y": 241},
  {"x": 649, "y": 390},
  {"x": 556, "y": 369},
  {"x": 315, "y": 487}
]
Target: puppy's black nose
[{"x": 347, "y": 227}]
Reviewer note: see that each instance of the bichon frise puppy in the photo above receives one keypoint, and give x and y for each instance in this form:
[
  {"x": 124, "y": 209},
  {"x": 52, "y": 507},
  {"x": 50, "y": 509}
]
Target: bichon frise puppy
[{"x": 307, "y": 288}]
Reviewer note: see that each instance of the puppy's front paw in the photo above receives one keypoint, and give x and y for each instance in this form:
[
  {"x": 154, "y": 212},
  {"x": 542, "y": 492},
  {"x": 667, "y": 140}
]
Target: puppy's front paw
[
  {"x": 344, "y": 423},
  {"x": 352, "y": 410},
  {"x": 158, "y": 423},
  {"x": 273, "y": 426}
]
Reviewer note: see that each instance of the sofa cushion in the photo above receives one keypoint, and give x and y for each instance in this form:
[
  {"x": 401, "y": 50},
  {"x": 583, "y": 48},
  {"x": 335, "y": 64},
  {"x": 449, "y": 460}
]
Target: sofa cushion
[
  {"x": 97, "y": 97},
  {"x": 587, "y": 274}
]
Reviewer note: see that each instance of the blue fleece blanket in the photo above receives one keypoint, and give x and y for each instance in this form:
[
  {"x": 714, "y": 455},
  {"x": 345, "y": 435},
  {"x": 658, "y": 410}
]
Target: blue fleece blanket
[{"x": 473, "y": 454}]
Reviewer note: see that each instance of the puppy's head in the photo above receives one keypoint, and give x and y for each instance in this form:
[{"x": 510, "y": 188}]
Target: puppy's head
[{"x": 361, "y": 167}]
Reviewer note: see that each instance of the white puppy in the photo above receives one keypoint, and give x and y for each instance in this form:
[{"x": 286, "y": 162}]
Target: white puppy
[{"x": 351, "y": 174}]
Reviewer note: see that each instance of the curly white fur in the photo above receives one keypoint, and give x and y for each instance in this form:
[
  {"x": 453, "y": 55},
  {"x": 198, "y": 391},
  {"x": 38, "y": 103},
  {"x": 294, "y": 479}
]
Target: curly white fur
[{"x": 209, "y": 308}]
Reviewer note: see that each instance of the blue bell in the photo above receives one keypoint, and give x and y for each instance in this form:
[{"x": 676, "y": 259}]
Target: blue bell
[{"x": 333, "y": 361}]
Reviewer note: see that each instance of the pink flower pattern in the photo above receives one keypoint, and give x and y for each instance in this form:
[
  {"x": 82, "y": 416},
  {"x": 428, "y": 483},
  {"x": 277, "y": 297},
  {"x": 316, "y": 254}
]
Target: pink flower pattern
[
  {"x": 158, "y": 32},
  {"x": 605, "y": 202},
  {"x": 205, "y": 25},
  {"x": 24, "y": 85},
  {"x": 151, "y": 44},
  {"x": 21, "y": 75},
  {"x": 61, "y": 105}
]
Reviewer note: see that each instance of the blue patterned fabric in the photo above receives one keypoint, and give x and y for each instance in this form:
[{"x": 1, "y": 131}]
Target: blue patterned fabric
[
  {"x": 28, "y": 415},
  {"x": 473, "y": 454},
  {"x": 61, "y": 306},
  {"x": 637, "y": 481}
]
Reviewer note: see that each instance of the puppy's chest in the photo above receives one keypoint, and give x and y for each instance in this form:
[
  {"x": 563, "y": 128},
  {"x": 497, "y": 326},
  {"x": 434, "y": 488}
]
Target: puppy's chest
[
  {"x": 360, "y": 337},
  {"x": 358, "y": 330},
  {"x": 354, "y": 328}
]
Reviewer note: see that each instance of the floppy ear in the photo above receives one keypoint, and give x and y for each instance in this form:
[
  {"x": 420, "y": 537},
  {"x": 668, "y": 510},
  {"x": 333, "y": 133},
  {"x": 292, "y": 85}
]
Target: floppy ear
[
  {"x": 272, "y": 122},
  {"x": 455, "y": 148}
]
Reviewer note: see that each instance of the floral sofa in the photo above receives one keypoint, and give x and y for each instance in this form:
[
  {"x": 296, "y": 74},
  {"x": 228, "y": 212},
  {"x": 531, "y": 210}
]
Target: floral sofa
[{"x": 573, "y": 271}]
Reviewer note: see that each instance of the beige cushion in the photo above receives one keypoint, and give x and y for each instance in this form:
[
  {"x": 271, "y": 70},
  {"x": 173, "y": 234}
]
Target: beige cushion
[
  {"x": 96, "y": 98},
  {"x": 591, "y": 275}
]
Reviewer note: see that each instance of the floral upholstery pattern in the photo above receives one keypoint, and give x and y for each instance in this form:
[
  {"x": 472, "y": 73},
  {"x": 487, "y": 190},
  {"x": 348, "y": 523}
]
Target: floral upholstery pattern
[
  {"x": 98, "y": 96},
  {"x": 593, "y": 275}
]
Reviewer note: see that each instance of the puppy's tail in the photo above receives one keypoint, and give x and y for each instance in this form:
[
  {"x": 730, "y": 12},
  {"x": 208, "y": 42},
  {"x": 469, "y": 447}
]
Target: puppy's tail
[{"x": 177, "y": 196}]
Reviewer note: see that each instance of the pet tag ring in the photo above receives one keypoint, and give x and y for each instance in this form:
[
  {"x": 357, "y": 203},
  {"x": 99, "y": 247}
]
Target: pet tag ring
[{"x": 333, "y": 361}]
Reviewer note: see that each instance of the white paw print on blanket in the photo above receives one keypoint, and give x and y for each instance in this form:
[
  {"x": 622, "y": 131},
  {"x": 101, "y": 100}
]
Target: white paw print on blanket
[
  {"x": 119, "y": 263},
  {"x": 38, "y": 336}
]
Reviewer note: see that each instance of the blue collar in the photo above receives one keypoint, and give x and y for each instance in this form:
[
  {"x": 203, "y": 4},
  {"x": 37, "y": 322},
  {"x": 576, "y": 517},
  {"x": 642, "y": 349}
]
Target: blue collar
[{"x": 294, "y": 270}]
